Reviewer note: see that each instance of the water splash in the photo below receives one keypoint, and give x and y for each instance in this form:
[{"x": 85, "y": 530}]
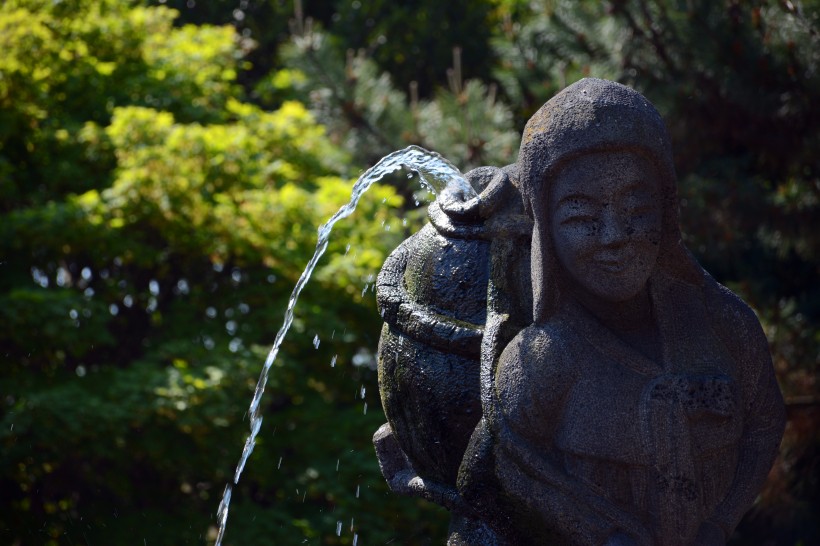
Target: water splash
[{"x": 437, "y": 175}]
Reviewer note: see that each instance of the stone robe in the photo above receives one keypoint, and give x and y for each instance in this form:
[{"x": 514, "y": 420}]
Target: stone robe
[{"x": 585, "y": 437}]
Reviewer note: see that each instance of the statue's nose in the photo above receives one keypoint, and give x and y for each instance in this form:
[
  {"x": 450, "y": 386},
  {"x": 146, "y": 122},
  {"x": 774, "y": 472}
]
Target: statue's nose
[{"x": 614, "y": 229}]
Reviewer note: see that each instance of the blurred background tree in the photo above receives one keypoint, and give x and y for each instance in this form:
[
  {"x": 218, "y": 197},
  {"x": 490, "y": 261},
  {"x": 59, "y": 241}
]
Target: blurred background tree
[{"x": 164, "y": 166}]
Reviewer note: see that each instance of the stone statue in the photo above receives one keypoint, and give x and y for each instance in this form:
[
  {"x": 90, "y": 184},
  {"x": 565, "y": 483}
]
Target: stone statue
[{"x": 555, "y": 366}]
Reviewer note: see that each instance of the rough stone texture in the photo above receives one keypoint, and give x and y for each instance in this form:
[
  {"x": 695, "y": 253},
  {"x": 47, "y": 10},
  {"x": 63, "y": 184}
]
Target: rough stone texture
[
  {"x": 432, "y": 293},
  {"x": 573, "y": 376}
]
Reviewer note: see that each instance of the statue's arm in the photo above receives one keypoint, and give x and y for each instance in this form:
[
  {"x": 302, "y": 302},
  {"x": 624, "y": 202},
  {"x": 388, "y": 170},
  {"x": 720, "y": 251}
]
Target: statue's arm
[
  {"x": 532, "y": 383},
  {"x": 415, "y": 321},
  {"x": 565, "y": 505},
  {"x": 764, "y": 411}
]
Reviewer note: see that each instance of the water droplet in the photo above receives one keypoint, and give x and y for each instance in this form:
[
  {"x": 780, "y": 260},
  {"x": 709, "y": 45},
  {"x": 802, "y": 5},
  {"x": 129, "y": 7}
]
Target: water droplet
[
  {"x": 316, "y": 341},
  {"x": 279, "y": 465},
  {"x": 365, "y": 409},
  {"x": 333, "y": 361},
  {"x": 63, "y": 278},
  {"x": 357, "y": 491},
  {"x": 338, "y": 528}
]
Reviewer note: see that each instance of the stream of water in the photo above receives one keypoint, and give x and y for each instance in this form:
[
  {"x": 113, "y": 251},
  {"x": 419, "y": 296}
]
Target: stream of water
[{"x": 436, "y": 174}]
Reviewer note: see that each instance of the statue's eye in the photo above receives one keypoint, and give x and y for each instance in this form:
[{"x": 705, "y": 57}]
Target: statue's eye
[
  {"x": 640, "y": 210},
  {"x": 579, "y": 219},
  {"x": 637, "y": 196}
]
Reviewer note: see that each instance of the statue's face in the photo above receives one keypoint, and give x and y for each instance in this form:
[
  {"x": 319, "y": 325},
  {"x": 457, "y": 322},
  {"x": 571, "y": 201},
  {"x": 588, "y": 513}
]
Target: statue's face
[{"x": 606, "y": 223}]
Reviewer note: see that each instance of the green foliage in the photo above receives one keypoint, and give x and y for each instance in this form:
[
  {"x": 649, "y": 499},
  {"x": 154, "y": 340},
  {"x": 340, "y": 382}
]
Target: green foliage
[
  {"x": 360, "y": 108},
  {"x": 62, "y": 71},
  {"x": 154, "y": 228},
  {"x": 413, "y": 40},
  {"x": 370, "y": 117},
  {"x": 469, "y": 123}
]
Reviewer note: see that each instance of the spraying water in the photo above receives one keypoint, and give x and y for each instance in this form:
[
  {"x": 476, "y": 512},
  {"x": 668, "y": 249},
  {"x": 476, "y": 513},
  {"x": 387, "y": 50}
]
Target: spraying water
[{"x": 436, "y": 174}]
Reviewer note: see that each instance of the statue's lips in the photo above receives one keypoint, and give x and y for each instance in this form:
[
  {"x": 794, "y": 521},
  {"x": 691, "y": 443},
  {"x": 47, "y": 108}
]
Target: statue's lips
[{"x": 612, "y": 265}]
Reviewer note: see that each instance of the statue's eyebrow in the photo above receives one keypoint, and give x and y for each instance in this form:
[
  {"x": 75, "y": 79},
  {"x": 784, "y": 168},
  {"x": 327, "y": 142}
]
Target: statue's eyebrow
[
  {"x": 635, "y": 186},
  {"x": 583, "y": 197}
]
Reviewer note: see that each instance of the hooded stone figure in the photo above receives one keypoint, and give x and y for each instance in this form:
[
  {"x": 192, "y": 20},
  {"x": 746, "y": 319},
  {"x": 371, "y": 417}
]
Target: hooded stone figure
[{"x": 640, "y": 406}]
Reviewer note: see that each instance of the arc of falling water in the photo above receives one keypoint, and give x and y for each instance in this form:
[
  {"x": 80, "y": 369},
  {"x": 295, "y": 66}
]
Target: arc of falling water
[{"x": 437, "y": 174}]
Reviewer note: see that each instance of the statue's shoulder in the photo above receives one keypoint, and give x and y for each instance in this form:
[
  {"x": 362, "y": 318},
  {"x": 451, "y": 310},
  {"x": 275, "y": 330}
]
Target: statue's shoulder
[
  {"x": 735, "y": 322},
  {"x": 536, "y": 347},
  {"x": 739, "y": 329},
  {"x": 539, "y": 339},
  {"x": 533, "y": 374},
  {"x": 726, "y": 305},
  {"x": 728, "y": 316}
]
